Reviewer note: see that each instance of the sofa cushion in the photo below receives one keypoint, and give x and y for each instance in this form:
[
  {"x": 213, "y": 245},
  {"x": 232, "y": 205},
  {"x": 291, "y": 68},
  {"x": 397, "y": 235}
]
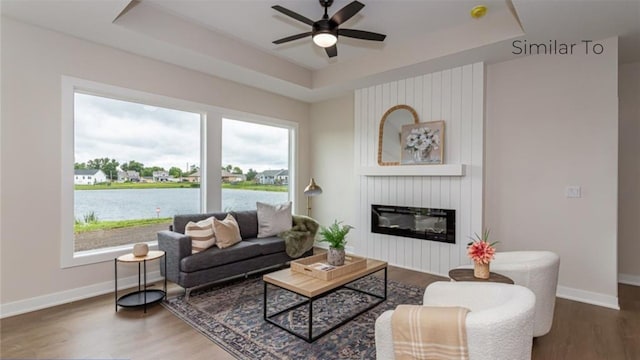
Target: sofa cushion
[
  {"x": 269, "y": 245},
  {"x": 248, "y": 223},
  {"x": 201, "y": 234},
  {"x": 273, "y": 219},
  {"x": 215, "y": 256},
  {"x": 180, "y": 221},
  {"x": 227, "y": 231}
]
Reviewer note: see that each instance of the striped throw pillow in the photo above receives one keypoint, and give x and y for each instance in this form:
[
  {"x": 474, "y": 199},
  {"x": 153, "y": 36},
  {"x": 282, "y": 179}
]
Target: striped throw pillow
[{"x": 201, "y": 233}]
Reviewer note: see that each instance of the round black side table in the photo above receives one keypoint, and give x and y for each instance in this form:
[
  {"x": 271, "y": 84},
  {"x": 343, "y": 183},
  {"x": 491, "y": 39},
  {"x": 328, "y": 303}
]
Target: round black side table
[{"x": 143, "y": 296}]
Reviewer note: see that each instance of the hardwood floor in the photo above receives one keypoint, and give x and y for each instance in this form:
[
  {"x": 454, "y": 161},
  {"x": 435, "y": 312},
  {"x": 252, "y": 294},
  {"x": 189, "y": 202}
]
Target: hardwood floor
[{"x": 92, "y": 329}]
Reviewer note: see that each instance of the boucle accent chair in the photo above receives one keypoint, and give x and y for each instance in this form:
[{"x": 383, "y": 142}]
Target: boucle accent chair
[
  {"x": 499, "y": 326},
  {"x": 538, "y": 271}
]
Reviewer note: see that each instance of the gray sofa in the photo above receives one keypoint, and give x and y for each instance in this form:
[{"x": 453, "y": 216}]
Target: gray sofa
[{"x": 194, "y": 270}]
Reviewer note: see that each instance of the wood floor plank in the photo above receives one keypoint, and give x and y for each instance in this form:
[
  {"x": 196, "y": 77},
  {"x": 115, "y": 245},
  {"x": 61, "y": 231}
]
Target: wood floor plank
[{"x": 92, "y": 329}]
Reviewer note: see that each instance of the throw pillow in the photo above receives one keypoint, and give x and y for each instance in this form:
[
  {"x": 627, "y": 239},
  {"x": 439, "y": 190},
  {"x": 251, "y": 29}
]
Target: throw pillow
[
  {"x": 201, "y": 233},
  {"x": 273, "y": 219},
  {"x": 227, "y": 231}
]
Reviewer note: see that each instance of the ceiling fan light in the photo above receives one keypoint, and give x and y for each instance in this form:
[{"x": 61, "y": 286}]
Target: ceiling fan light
[{"x": 325, "y": 39}]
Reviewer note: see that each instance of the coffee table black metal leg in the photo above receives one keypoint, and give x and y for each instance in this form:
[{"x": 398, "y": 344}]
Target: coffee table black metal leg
[
  {"x": 264, "y": 301},
  {"x": 310, "y": 320},
  {"x": 385, "y": 283}
]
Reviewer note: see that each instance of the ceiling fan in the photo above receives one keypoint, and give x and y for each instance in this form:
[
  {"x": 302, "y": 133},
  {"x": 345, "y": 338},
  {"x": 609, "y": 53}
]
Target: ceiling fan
[{"x": 325, "y": 31}]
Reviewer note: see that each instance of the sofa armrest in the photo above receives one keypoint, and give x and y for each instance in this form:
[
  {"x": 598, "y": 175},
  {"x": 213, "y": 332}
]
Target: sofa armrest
[{"x": 176, "y": 247}]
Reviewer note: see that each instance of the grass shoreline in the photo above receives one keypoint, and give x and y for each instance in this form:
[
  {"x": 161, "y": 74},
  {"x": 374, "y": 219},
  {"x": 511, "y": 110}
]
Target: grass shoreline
[{"x": 117, "y": 224}]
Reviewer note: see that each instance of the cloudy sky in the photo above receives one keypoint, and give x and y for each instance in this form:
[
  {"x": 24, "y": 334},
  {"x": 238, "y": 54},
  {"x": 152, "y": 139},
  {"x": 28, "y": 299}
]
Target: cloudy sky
[
  {"x": 166, "y": 138},
  {"x": 255, "y": 146}
]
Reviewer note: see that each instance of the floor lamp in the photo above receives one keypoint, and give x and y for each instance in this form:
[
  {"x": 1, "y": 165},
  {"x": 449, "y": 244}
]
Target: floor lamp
[{"x": 311, "y": 190}]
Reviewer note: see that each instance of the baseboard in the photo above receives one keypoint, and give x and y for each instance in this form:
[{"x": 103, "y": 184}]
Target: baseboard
[
  {"x": 420, "y": 270},
  {"x": 563, "y": 292},
  {"x": 67, "y": 296},
  {"x": 588, "y": 297},
  {"x": 629, "y": 279}
]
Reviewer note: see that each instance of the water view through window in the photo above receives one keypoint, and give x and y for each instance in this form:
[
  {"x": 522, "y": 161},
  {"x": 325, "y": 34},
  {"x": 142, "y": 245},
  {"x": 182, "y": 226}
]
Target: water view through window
[
  {"x": 135, "y": 167},
  {"x": 255, "y": 159}
]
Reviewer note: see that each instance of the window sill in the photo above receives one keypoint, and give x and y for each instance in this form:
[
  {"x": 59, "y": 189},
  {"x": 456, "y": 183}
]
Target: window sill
[{"x": 88, "y": 257}]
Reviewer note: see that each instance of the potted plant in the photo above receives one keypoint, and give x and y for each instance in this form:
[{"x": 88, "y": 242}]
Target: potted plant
[
  {"x": 481, "y": 252},
  {"x": 335, "y": 235}
]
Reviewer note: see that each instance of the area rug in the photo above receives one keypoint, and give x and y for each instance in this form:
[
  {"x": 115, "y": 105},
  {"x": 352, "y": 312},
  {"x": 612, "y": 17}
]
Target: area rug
[{"x": 231, "y": 315}]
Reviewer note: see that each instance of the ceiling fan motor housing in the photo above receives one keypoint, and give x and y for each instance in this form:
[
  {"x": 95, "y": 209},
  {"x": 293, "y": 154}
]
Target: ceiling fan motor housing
[{"x": 325, "y": 26}]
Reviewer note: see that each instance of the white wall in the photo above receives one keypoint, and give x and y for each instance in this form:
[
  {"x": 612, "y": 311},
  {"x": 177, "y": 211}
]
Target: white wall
[
  {"x": 331, "y": 142},
  {"x": 629, "y": 174},
  {"x": 33, "y": 61},
  {"x": 457, "y": 97},
  {"x": 552, "y": 121},
  {"x": 543, "y": 116}
]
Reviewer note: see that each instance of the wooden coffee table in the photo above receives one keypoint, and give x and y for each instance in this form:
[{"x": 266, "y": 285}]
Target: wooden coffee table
[{"x": 312, "y": 289}]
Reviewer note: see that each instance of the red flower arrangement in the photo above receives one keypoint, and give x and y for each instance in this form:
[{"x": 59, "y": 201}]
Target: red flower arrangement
[{"x": 480, "y": 250}]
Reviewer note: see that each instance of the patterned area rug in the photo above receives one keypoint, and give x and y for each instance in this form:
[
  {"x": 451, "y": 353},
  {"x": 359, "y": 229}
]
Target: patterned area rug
[{"x": 231, "y": 316}]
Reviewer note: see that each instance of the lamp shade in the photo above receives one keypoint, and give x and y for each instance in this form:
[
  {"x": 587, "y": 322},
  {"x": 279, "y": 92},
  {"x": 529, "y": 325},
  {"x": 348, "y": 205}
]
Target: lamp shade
[{"x": 312, "y": 189}]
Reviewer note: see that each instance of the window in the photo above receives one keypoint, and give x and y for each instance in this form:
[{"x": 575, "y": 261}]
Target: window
[
  {"x": 160, "y": 145},
  {"x": 255, "y": 163},
  {"x": 137, "y": 155},
  {"x": 113, "y": 128}
]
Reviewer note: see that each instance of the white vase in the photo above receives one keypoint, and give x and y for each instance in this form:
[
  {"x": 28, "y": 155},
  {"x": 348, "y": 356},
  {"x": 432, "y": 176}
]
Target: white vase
[
  {"x": 140, "y": 250},
  {"x": 421, "y": 155}
]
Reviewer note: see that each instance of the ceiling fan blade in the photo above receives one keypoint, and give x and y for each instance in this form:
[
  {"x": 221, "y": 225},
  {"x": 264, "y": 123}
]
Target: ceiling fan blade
[
  {"x": 292, "y": 14},
  {"x": 347, "y": 12},
  {"x": 332, "y": 51},
  {"x": 361, "y": 34},
  {"x": 292, "y": 37}
]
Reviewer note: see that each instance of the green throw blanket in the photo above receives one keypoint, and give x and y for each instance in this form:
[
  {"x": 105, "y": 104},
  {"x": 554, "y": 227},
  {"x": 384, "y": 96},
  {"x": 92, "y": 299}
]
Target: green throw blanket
[{"x": 299, "y": 239}]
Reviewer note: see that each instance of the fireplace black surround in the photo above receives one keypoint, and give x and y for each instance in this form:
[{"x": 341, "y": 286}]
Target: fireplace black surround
[{"x": 414, "y": 222}]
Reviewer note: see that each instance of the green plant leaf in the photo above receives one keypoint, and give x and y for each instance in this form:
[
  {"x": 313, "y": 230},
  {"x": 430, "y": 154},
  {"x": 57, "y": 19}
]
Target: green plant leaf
[{"x": 335, "y": 234}]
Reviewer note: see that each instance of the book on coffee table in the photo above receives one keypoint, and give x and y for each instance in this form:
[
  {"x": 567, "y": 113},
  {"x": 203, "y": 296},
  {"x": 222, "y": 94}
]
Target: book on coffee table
[{"x": 322, "y": 266}]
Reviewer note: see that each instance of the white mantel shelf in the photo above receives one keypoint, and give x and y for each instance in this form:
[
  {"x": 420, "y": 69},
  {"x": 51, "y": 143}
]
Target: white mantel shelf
[{"x": 414, "y": 170}]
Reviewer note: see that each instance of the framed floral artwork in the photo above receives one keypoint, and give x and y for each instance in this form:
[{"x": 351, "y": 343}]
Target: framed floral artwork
[{"x": 422, "y": 143}]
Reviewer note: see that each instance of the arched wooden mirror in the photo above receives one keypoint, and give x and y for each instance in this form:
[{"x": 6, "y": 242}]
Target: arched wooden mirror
[{"x": 389, "y": 147}]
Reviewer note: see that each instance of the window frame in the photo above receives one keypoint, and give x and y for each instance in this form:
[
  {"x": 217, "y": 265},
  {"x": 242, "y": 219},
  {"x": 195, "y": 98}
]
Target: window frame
[{"x": 210, "y": 157}]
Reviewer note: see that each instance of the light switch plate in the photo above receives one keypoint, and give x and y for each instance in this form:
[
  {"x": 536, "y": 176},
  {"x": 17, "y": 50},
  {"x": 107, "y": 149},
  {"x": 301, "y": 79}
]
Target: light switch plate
[{"x": 574, "y": 192}]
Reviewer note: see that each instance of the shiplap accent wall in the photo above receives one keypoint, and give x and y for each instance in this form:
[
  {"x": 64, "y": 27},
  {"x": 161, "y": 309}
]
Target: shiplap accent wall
[{"x": 457, "y": 97}]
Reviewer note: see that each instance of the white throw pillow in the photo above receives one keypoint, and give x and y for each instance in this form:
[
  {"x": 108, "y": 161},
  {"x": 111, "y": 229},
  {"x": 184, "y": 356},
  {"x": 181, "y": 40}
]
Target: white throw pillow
[
  {"x": 273, "y": 219},
  {"x": 201, "y": 233}
]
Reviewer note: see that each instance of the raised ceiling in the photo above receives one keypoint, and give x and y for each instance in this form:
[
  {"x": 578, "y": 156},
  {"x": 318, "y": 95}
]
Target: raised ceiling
[{"x": 233, "y": 38}]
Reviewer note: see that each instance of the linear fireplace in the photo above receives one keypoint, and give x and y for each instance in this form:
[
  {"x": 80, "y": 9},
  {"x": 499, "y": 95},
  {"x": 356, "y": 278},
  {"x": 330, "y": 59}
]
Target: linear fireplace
[{"x": 414, "y": 222}]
